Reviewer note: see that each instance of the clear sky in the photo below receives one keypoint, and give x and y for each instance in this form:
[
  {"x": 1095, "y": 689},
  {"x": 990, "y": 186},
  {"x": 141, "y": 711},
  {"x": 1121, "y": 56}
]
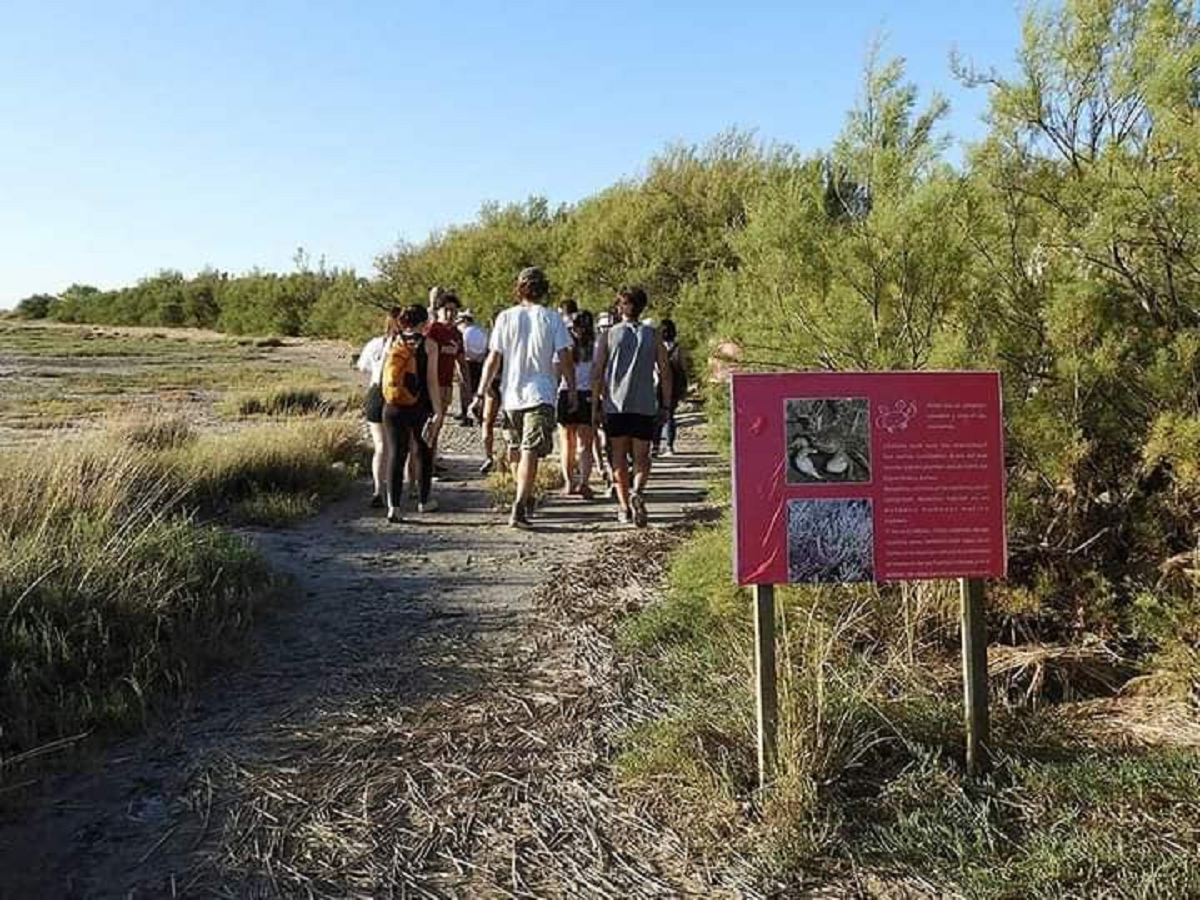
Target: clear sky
[{"x": 136, "y": 136}]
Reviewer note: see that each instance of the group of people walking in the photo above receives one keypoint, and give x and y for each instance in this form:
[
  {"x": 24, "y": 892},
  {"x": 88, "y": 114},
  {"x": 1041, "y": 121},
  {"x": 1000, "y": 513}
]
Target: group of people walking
[{"x": 609, "y": 384}]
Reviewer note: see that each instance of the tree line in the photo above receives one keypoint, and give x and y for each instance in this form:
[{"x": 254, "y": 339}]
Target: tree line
[{"x": 1062, "y": 250}]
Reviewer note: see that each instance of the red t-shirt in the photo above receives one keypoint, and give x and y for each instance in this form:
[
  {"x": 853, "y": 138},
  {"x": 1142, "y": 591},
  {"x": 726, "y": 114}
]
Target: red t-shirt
[{"x": 450, "y": 347}]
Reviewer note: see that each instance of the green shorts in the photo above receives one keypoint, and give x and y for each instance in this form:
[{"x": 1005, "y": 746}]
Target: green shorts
[{"x": 530, "y": 429}]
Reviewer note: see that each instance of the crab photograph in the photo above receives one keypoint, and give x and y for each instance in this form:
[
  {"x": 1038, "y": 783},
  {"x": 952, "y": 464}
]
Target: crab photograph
[{"x": 828, "y": 440}]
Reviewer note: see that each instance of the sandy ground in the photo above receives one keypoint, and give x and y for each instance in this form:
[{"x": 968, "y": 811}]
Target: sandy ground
[{"x": 385, "y": 618}]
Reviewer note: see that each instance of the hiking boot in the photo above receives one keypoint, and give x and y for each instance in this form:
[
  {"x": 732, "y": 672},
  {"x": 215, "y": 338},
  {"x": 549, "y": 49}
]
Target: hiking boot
[
  {"x": 638, "y": 504},
  {"x": 518, "y": 518},
  {"x": 430, "y": 505}
]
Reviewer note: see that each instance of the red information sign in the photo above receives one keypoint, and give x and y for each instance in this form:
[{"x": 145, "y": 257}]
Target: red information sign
[{"x": 886, "y": 476}]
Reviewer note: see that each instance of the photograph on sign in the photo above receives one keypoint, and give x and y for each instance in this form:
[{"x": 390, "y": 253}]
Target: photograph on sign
[
  {"x": 830, "y": 541},
  {"x": 828, "y": 440}
]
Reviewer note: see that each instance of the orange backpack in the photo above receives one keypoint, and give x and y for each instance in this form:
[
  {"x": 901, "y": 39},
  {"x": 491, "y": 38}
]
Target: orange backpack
[{"x": 404, "y": 372}]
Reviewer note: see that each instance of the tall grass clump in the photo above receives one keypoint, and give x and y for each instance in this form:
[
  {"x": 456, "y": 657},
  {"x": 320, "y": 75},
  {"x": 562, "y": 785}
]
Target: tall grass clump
[
  {"x": 154, "y": 430},
  {"x": 289, "y": 400},
  {"x": 870, "y": 772},
  {"x": 502, "y": 483},
  {"x": 306, "y": 458},
  {"x": 118, "y": 587}
]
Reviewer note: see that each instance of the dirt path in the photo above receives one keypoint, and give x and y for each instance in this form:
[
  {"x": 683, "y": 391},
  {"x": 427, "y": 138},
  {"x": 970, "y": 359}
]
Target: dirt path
[{"x": 411, "y": 723}]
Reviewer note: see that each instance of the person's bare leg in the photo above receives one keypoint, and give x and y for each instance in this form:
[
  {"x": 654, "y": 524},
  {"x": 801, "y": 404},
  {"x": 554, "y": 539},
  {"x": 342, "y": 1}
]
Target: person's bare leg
[
  {"x": 489, "y": 425},
  {"x": 379, "y": 459},
  {"x": 598, "y": 440},
  {"x": 620, "y": 466},
  {"x": 567, "y": 436},
  {"x": 641, "y": 465},
  {"x": 585, "y": 455},
  {"x": 526, "y": 476},
  {"x": 447, "y": 396},
  {"x": 641, "y": 472}
]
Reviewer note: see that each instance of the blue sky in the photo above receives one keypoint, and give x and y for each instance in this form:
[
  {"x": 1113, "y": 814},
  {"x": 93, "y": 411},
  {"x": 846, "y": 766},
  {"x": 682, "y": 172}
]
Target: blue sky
[{"x": 145, "y": 135}]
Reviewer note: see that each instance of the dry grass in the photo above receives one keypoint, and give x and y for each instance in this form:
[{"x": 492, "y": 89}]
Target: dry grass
[
  {"x": 290, "y": 400},
  {"x": 1030, "y": 676},
  {"x": 1092, "y": 798},
  {"x": 112, "y": 594},
  {"x": 502, "y": 483},
  {"x": 499, "y": 788},
  {"x": 161, "y": 429}
]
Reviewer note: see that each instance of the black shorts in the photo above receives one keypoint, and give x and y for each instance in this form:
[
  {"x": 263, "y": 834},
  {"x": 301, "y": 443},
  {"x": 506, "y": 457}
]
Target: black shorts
[
  {"x": 373, "y": 405},
  {"x": 582, "y": 414},
  {"x": 631, "y": 425}
]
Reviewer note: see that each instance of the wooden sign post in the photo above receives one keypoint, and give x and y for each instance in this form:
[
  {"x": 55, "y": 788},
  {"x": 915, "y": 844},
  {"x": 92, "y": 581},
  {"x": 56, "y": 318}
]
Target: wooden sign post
[
  {"x": 764, "y": 679},
  {"x": 975, "y": 673}
]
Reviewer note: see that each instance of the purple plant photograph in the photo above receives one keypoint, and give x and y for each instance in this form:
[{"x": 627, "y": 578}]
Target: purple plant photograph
[{"x": 829, "y": 541}]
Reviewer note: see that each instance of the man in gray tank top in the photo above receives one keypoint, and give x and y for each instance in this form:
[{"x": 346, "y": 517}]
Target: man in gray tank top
[{"x": 625, "y": 398}]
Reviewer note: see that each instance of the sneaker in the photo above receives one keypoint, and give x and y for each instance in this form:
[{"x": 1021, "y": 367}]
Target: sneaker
[
  {"x": 654, "y": 451},
  {"x": 377, "y": 501},
  {"x": 518, "y": 518},
  {"x": 624, "y": 516},
  {"x": 487, "y": 466},
  {"x": 670, "y": 451},
  {"x": 638, "y": 503},
  {"x": 530, "y": 506},
  {"x": 586, "y": 493},
  {"x": 393, "y": 516},
  {"x": 430, "y": 505}
]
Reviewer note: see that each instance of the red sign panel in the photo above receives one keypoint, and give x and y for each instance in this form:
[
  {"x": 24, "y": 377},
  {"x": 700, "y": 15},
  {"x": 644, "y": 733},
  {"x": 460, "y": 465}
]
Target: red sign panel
[{"x": 887, "y": 476}]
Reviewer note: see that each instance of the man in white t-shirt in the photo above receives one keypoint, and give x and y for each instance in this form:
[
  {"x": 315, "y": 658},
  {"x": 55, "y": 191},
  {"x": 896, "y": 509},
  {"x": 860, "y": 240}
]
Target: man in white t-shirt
[{"x": 528, "y": 340}]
